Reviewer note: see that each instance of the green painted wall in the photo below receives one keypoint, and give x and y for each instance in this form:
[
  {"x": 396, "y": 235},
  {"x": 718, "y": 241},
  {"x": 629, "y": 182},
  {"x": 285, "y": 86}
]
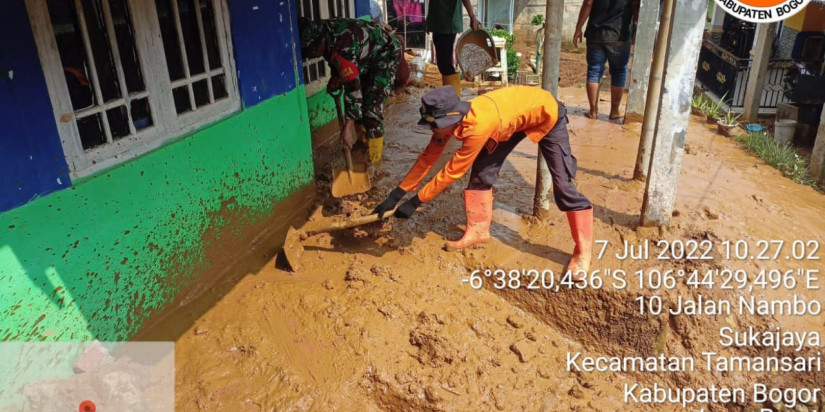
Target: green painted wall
[
  {"x": 321, "y": 110},
  {"x": 96, "y": 260}
]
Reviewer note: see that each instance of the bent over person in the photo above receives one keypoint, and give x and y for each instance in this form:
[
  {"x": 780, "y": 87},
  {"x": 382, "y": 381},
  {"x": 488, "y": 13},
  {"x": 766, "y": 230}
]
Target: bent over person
[
  {"x": 489, "y": 127},
  {"x": 364, "y": 58}
]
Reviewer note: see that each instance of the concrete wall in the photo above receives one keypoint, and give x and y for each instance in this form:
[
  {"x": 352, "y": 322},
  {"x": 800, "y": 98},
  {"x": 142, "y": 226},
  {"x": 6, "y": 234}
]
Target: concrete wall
[
  {"x": 524, "y": 11},
  {"x": 98, "y": 260}
]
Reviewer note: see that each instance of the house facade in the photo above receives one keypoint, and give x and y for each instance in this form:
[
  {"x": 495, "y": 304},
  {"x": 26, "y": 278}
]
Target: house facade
[{"x": 146, "y": 147}]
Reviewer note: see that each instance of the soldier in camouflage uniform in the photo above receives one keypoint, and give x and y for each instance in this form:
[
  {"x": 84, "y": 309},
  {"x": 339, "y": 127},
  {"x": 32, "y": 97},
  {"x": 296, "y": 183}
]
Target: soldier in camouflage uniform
[{"x": 364, "y": 58}]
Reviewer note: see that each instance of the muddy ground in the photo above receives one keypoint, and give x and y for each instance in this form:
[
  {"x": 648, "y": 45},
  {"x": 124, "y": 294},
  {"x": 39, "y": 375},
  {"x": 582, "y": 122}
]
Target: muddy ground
[{"x": 379, "y": 320}]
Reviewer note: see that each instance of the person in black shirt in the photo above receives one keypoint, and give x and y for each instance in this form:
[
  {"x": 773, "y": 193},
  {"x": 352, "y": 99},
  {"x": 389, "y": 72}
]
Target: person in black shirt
[
  {"x": 610, "y": 25},
  {"x": 444, "y": 21}
]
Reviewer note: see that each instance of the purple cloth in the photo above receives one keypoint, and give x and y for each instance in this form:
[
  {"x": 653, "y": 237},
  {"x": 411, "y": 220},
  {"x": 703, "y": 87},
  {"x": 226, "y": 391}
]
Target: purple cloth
[{"x": 409, "y": 9}]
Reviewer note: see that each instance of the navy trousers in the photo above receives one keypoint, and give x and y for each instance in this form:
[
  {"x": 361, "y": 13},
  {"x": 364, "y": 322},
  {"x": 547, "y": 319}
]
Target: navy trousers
[{"x": 555, "y": 147}]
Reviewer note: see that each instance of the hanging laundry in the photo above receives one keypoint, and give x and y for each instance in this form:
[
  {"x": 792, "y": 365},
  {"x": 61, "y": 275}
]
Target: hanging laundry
[{"x": 410, "y": 9}]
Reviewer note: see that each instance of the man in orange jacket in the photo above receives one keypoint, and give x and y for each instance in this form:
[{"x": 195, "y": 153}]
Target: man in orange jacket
[{"x": 489, "y": 127}]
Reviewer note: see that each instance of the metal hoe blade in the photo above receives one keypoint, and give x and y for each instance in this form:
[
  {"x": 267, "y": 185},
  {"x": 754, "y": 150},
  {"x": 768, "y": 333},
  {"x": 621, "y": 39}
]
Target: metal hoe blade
[{"x": 293, "y": 249}]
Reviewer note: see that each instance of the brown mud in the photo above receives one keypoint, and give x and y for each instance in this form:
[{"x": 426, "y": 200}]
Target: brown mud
[
  {"x": 348, "y": 181},
  {"x": 378, "y": 318},
  {"x": 223, "y": 267}
]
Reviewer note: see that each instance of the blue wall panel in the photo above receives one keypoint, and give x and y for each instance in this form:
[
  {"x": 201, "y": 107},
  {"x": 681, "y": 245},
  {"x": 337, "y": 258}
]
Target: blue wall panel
[
  {"x": 362, "y": 8},
  {"x": 32, "y": 162},
  {"x": 265, "y": 54}
]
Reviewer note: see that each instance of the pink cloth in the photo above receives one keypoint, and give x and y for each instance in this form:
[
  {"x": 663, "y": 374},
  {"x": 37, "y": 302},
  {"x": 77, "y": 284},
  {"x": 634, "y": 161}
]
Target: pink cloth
[{"x": 409, "y": 9}]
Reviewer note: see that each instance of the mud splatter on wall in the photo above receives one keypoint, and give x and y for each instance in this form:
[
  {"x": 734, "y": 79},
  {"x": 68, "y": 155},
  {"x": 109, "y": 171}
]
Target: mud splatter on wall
[
  {"x": 97, "y": 260},
  {"x": 321, "y": 110}
]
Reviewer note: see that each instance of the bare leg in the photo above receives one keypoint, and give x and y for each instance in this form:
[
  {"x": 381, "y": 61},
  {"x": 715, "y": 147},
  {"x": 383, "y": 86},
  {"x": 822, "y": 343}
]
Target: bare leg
[
  {"x": 615, "y": 101},
  {"x": 593, "y": 99}
]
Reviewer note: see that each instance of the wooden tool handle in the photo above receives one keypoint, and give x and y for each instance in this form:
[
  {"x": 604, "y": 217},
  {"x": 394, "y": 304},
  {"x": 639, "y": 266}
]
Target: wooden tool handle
[
  {"x": 346, "y": 224},
  {"x": 348, "y": 156},
  {"x": 343, "y": 124}
]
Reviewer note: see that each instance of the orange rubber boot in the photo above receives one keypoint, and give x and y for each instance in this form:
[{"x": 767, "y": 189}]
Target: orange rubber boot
[
  {"x": 581, "y": 228},
  {"x": 479, "y": 208}
]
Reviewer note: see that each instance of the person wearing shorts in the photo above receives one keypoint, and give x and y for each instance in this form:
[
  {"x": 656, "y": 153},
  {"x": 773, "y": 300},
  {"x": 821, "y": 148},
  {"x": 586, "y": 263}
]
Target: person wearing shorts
[{"x": 609, "y": 30}]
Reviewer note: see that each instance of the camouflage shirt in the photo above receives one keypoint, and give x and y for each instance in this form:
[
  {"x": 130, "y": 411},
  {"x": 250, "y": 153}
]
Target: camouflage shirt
[{"x": 357, "y": 48}]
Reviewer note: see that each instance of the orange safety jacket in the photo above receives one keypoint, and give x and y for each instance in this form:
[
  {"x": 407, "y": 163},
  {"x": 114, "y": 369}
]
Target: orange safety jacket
[{"x": 494, "y": 117}]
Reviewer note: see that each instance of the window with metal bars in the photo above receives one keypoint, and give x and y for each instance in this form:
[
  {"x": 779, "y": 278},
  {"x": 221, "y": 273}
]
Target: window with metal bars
[
  {"x": 116, "y": 91},
  {"x": 316, "y": 73}
]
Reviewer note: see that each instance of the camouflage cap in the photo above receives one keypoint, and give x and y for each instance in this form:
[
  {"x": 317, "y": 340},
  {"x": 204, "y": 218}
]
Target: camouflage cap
[{"x": 312, "y": 33}]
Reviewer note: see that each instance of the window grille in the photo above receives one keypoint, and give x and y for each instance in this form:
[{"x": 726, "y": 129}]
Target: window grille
[
  {"x": 316, "y": 73},
  {"x": 116, "y": 91}
]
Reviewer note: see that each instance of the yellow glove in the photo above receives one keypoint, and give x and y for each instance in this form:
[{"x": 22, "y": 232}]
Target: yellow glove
[{"x": 375, "y": 147}]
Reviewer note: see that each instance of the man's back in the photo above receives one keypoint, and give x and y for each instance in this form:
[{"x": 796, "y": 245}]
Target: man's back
[
  {"x": 609, "y": 21},
  {"x": 500, "y": 113},
  {"x": 357, "y": 39}
]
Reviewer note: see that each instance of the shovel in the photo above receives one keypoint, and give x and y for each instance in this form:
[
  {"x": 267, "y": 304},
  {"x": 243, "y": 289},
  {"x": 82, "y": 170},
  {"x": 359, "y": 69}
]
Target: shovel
[
  {"x": 353, "y": 179},
  {"x": 293, "y": 249}
]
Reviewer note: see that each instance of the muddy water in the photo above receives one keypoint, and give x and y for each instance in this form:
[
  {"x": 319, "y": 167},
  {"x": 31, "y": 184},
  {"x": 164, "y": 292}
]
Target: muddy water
[{"x": 379, "y": 319}]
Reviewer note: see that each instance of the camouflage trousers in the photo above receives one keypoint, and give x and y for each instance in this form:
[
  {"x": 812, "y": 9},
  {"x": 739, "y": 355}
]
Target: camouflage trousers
[{"x": 376, "y": 85}]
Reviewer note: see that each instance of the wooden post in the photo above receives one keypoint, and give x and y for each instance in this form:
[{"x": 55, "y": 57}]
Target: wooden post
[
  {"x": 549, "y": 81},
  {"x": 654, "y": 93},
  {"x": 642, "y": 58},
  {"x": 765, "y": 33},
  {"x": 687, "y": 25},
  {"x": 817, "y": 167}
]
